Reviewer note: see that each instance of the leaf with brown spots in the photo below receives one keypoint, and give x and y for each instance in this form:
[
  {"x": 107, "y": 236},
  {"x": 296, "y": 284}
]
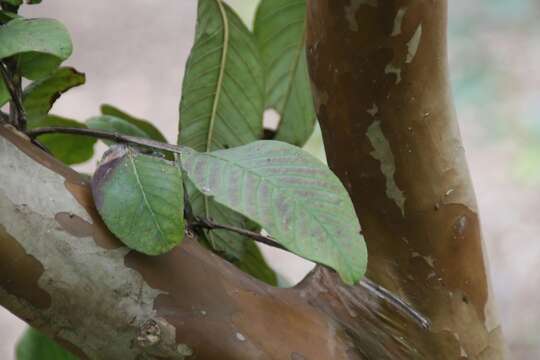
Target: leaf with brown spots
[{"x": 291, "y": 194}]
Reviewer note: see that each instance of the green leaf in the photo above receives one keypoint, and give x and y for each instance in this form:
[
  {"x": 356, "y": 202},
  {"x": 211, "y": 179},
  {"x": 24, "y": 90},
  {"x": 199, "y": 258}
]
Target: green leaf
[
  {"x": 223, "y": 90},
  {"x": 4, "y": 93},
  {"x": 7, "y": 16},
  {"x": 70, "y": 149},
  {"x": 42, "y": 43},
  {"x": 141, "y": 200},
  {"x": 292, "y": 195},
  {"x": 144, "y": 125},
  {"x": 39, "y": 96},
  {"x": 280, "y": 32},
  {"x": 33, "y": 2},
  {"x": 222, "y": 104},
  {"x": 33, "y": 345},
  {"x": 230, "y": 243},
  {"x": 240, "y": 250},
  {"x": 13, "y": 2},
  {"x": 115, "y": 125},
  {"x": 253, "y": 263}
]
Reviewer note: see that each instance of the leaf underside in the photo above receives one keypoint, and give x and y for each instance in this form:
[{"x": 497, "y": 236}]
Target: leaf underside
[
  {"x": 223, "y": 90},
  {"x": 292, "y": 195},
  {"x": 222, "y": 106},
  {"x": 280, "y": 32},
  {"x": 140, "y": 199}
]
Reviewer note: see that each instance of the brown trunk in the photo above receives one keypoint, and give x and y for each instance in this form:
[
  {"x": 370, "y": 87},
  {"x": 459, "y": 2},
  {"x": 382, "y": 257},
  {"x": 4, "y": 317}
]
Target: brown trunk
[{"x": 379, "y": 72}]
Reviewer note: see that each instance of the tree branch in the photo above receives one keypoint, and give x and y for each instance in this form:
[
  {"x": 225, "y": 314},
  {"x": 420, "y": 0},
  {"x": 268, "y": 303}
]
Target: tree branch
[
  {"x": 34, "y": 133},
  {"x": 380, "y": 80},
  {"x": 17, "y": 113},
  {"x": 60, "y": 263},
  {"x": 258, "y": 237}
]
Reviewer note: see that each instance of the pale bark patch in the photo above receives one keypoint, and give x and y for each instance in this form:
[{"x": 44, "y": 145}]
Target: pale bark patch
[{"x": 383, "y": 153}]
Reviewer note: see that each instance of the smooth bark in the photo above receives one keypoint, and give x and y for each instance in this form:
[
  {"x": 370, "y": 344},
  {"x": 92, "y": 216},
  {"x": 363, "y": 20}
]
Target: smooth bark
[
  {"x": 379, "y": 73},
  {"x": 380, "y": 79}
]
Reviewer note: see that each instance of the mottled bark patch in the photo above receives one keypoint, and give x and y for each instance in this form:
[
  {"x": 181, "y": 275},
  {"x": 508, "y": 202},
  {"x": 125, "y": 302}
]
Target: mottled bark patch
[{"x": 20, "y": 274}]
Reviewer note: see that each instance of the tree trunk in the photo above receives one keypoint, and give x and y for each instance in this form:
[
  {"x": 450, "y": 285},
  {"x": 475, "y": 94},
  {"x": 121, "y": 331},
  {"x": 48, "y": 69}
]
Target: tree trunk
[{"x": 379, "y": 75}]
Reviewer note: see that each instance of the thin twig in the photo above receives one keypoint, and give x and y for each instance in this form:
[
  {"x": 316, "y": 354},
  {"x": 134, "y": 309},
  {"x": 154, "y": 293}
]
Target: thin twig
[
  {"x": 18, "y": 115},
  {"x": 210, "y": 225},
  {"x": 106, "y": 136}
]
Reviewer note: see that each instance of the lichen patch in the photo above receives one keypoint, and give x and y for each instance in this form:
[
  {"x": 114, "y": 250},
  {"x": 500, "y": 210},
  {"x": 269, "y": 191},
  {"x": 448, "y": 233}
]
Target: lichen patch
[
  {"x": 413, "y": 44},
  {"x": 398, "y": 21},
  {"x": 383, "y": 153}
]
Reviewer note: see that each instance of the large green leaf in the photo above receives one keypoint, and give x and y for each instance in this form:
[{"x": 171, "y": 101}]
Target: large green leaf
[
  {"x": 140, "y": 199},
  {"x": 222, "y": 105},
  {"x": 71, "y": 149},
  {"x": 39, "y": 96},
  {"x": 236, "y": 248},
  {"x": 291, "y": 194},
  {"x": 33, "y": 345},
  {"x": 223, "y": 90},
  {"x": 144, "y": 125},
  {"x": 115, "y": 125},
  {"x": 280, "y": 32},
  {"x": 41, "y": 43}
]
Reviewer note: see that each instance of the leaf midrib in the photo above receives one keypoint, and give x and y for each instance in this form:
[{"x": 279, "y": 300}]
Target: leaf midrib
[
  {"x": 145, "y": 199},
  {"x": 219, "y": 85},
  {"x": 223, "y": 63}
]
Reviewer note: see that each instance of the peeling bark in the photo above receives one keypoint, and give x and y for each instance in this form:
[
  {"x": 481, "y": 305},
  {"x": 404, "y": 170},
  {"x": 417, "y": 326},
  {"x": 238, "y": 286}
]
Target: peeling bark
[
  {"x": 388, "y": 123},
  {"x": 64, "y": 273},
  {"x": 69, "y": 277}
]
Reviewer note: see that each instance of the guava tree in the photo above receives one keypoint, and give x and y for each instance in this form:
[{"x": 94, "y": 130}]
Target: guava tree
[{"x": 154, "y": 256}]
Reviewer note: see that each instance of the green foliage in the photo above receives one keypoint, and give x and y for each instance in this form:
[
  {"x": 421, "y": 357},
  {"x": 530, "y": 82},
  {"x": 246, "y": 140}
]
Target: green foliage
[
  {"x": 39, "y": 96},
  {"x": 4, "y": 94},
  {"x": 42, "y": 44},
  {"x": 233, "y": 178},
  {"x": 7, "y": 16},
  {"x": 253, "y": 263},
  {"x": 70, "y": 149},
  {"x": 35, "y": 346},
  {"x": 141, "y": 200},
  {"x": 13, "y": 2},
  {"x": 115, "y": 124},
  {"x": 280, "y": 33},
  {"x": 292, "y": 195},
  {"x": 231, "y": 244},
  {"x": 222, "y": 106},
  {"x": 151, "y": 131},
  {"x": 223, "y": 91}
]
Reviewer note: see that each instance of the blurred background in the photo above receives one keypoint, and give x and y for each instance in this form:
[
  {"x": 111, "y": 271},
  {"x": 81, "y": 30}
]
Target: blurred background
[{"x": 133, "y": 54}]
